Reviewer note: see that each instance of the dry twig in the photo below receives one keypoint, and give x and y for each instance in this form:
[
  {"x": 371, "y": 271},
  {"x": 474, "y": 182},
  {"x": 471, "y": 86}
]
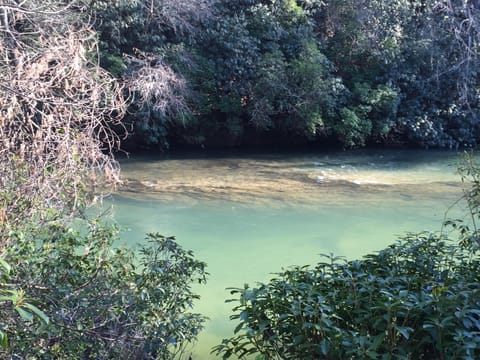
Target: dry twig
[{"x": 58, "y": 109}]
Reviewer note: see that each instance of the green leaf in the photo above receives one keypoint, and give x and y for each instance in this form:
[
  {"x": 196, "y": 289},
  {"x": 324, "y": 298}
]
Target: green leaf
[
  {"x": 404, "y": 331},
  {"x": 324, "y": 347},
  {"x": 298, "y": 339},
  {"x": 3, "y": 340},
  {"x": 25, "y": 315},
  {"x": 5, "y": 265},
  {"x": 7, "y": 298},
  {"x": 238, "y": 327},
  {"x": 38, "y": 312}
]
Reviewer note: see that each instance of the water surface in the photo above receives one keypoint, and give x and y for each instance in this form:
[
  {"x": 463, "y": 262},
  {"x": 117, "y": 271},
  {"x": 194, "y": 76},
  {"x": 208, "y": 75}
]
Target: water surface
[{"x": 250, "y": 215}]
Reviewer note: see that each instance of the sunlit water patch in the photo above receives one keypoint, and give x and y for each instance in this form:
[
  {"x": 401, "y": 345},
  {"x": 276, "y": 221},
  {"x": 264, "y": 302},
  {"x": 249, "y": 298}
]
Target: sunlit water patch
[{"x": 250, "y": 216}]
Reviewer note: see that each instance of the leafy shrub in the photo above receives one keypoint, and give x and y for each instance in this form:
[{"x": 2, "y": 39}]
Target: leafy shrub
[
  {"x": 15, "y": 304},
  {"x": 418, "y": 298},
  {"x": 101, "y": 300},
  {"x": 354, "y": 127}
]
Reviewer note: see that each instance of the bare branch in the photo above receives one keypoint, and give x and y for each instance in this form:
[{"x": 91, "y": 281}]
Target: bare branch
[
  {"x": 57, "y": 111},
  {"x": 180, "y": 15},
  {"x": 157, "y": 84}
]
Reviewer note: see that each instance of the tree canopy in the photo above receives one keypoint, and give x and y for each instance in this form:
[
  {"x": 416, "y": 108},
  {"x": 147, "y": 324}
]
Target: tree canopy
[
  {"x": 293, "y": 71},
  {"x": 232, "y": 73}
]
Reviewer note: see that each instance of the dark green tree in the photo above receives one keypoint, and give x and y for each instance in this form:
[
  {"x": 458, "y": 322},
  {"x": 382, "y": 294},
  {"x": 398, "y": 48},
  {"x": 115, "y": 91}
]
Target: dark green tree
[
  {"x": 240, "y": 72},
  {"x": 145, "y": 43},
  {"x": 262, "y": 73},
  {"x": 420, "y": 57}
]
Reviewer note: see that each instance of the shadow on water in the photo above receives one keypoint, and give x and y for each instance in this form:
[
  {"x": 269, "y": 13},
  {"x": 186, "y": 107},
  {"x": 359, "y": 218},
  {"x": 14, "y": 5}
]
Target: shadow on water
[{"x": 249, "y": 215}]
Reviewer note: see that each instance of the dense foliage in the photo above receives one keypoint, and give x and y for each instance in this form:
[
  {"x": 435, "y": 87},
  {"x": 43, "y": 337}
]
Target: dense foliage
[
  {"x": 419, "y": 298},
  {"x": 290, "y": 71},
  {"x": 226, "y": 73},
  {"x": 98, "y": 300},
  {"x": 68, "y": 289},
  {"x": 143, "y": 43}
]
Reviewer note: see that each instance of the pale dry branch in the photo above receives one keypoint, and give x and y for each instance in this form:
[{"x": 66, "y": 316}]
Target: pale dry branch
[
  {"x": 463, "y": 21},
  {"x": 58, "y": 109},
  {"x": 180, "y": 15},
  {"x": 155, "y": 83}
]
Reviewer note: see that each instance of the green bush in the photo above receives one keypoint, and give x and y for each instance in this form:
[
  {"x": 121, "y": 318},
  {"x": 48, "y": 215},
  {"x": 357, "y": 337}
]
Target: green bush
[
  {"x": 416, "y": 299},
  {"x": 99, "y": 300},
  {"x": 15, "y": 304}
]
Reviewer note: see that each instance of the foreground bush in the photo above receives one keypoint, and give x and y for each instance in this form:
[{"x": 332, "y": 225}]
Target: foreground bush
[
  {"x": 90, "y": 299},
  {"x": 417, "y": 299}
]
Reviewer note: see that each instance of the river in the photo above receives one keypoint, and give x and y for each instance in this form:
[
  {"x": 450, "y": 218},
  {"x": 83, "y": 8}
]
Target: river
[{"x": 249, "y": 215}]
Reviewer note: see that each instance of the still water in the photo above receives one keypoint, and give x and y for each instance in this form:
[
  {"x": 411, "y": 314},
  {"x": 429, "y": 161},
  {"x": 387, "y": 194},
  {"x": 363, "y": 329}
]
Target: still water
[{"x": 250, "y": 215}]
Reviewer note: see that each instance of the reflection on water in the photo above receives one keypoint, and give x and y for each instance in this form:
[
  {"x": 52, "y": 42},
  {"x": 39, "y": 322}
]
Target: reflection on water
[{"x": 249, "y": 216}]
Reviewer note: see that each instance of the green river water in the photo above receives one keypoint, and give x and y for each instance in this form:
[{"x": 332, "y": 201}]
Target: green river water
[{"x": 250, "y": 215}]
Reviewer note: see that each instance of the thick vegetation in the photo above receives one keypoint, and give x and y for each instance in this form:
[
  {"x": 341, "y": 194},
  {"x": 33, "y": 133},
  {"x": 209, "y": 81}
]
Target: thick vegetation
[
  {"x": 293, "y": 71},
  {"x": 419, "y": 298},
  {"x": 74, "y": 295},
  {"x": 68, "y": 289},
  {"x": 227, "y": 73}
]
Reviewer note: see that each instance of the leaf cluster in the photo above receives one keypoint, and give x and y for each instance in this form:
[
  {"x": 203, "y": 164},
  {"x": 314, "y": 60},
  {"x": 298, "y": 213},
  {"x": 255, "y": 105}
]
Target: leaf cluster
[
  {"x": 418, "y": 298},
  {"x": 349, "y": 72},
  {"x": 99, "y": 299}
]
